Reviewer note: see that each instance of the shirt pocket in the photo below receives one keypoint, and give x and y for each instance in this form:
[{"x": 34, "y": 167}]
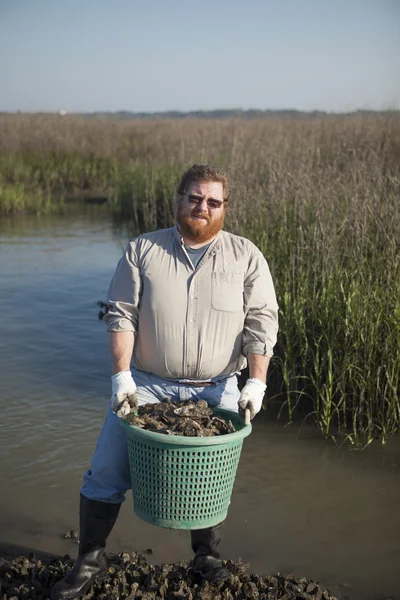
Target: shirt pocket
[{"x": 227, "y": 291}]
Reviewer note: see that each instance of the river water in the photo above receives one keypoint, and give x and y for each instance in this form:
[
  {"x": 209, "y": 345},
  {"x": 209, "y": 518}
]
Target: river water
[{"x": 300, "y": 503}]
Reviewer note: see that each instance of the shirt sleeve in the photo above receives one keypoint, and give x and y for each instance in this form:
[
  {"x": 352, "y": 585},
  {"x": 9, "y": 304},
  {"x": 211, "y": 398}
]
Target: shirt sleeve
[
  {"x": 124, "y": 293},
  {"x": 261, "y": 317}
]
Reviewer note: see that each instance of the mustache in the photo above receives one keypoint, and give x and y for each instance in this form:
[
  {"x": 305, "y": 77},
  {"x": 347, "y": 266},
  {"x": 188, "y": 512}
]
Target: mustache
[{"x": 198, "y": 213}]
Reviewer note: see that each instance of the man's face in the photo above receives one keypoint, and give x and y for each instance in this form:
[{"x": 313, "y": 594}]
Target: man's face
[{"x": 201, "y": 211}]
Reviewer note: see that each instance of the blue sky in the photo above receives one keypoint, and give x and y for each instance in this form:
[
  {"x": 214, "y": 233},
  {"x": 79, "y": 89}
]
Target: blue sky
[{"x": 156, "y": 55}]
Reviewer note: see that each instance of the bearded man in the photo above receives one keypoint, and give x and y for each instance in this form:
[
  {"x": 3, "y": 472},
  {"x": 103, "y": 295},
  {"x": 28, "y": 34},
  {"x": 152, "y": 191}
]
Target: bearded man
[{"x": 189, "y": 308}]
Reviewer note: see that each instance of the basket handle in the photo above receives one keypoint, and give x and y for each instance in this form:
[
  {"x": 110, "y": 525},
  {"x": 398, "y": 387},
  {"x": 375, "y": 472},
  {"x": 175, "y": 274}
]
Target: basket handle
[{"x": 247, "y": 416}]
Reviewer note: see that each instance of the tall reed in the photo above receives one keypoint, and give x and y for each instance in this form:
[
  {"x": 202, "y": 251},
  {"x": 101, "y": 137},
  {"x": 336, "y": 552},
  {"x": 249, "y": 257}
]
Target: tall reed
[{"x": 320, "y": 198}]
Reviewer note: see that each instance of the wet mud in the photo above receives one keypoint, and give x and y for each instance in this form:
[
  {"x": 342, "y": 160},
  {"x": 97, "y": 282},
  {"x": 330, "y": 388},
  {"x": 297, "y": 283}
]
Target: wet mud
[{"x": 130, "y": 576}]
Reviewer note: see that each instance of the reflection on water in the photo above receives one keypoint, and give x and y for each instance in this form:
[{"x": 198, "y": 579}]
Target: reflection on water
[{"x": 300, "y": 504}]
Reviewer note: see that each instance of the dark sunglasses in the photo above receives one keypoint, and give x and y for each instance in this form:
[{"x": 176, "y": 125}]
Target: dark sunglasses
[{"x": 197, "y": 200}]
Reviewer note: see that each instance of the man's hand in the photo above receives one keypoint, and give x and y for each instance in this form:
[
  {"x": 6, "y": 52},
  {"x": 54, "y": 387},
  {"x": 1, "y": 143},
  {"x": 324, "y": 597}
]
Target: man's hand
[
  {"x": 252, "y": 396},
  {"x": 124, "y": 398}
]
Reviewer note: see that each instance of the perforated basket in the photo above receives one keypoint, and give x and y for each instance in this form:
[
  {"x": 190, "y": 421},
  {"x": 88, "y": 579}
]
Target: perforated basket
[{"x": 184, "y": 482}]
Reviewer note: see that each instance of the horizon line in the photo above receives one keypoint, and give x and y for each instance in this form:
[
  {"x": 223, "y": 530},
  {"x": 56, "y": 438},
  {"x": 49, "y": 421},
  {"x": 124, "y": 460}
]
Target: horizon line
[{"x": 219, "y": 111}]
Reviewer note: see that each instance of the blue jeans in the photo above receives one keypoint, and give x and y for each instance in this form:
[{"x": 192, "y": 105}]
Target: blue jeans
[{"x": 108, "y": 478}]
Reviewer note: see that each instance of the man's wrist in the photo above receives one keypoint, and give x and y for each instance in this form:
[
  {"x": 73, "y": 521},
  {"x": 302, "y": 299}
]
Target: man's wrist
[
  {"x": 120, "y": 373},
  {"x": 258, "y": 366},
  {"x": 261, "y": 384}
]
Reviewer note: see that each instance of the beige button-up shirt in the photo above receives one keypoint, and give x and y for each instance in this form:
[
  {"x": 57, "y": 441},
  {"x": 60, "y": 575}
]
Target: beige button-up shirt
[{"x": 193, "y": 323}]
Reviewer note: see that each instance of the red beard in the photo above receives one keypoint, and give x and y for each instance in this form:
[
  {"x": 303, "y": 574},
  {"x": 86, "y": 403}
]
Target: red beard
[{"x": 197, "y": 229}]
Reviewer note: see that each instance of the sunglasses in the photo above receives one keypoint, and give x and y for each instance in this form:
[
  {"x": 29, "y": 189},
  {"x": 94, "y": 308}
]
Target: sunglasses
[{"x": 197, "y": 201}]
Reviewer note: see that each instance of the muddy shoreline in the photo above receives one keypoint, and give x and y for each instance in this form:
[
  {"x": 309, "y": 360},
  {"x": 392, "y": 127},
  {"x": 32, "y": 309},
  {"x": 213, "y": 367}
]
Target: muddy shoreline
[{"x": 131, "y": 576}]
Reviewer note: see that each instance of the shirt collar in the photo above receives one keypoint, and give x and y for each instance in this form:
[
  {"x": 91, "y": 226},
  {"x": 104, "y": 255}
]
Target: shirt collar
[{"x": 215, "y": 244}]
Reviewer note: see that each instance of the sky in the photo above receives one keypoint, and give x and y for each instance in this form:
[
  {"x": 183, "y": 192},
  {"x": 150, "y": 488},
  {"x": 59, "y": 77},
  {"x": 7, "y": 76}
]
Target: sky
[{"x": 160, "y": 55}]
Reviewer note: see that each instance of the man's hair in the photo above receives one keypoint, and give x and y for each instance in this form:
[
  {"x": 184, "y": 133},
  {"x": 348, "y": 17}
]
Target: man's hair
[{"x": 205, "y": 173}]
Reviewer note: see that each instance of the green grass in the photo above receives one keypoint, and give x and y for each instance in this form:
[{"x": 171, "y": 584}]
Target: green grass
[
  {"x": 16, "y": 198},
  {"x": 320, "y": 198}
]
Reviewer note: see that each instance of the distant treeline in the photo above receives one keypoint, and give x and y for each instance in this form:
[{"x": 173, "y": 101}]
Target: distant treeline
[{"x": 223, "y": 113}]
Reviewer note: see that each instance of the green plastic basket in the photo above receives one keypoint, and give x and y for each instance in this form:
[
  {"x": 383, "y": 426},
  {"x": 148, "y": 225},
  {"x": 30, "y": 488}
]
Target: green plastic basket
[{"x": 184, "y": 482}]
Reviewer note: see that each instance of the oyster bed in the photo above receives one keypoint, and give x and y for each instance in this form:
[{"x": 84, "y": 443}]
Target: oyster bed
[
  {"x": 191, "y": 419},
  {"x": 131, "y": 576}
]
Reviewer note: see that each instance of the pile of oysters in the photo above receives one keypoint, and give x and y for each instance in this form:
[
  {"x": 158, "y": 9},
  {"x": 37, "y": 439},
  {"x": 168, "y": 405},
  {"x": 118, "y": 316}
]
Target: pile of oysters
[
  {"x": 130, "y": 576},
  {"x": 191, "y": 419}
]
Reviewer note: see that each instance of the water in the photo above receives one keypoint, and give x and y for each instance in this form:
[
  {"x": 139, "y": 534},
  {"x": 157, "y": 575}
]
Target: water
[{"x": 300, "y": 504}]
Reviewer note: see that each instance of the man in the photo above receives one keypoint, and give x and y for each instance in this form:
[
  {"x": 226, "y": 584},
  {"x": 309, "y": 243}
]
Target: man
[{"x": 190, "y": 306}]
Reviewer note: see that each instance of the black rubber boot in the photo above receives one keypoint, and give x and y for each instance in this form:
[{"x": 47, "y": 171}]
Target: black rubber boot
[
  {"x": 206, "y": 563},
  {"x": 96, "y": 520}
]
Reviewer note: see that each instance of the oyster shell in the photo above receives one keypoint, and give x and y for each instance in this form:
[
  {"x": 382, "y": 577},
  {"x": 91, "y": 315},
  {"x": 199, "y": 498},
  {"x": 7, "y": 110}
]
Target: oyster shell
[
  {"x": 130, "y": 576},
  {"x": 190, "y": 419}
]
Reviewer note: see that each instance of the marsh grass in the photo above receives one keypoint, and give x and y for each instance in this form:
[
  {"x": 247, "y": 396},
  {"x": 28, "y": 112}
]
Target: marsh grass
[{"x": 320, "y": 198}]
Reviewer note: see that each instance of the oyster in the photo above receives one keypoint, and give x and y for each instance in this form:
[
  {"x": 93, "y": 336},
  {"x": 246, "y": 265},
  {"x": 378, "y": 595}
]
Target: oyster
[
  {"x": 130, "y": 576},
  {"x": 190, "y": 419}
]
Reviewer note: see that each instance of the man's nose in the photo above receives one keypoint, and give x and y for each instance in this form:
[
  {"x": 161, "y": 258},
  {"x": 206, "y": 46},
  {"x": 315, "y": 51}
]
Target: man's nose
[{"x": 203, "y": 204}]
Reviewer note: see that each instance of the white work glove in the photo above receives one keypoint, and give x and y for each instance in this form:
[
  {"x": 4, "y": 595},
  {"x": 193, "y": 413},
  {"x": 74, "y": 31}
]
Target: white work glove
[
  {"x": 252, "y": 396},
  {"x": 123, "y": 399}
]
